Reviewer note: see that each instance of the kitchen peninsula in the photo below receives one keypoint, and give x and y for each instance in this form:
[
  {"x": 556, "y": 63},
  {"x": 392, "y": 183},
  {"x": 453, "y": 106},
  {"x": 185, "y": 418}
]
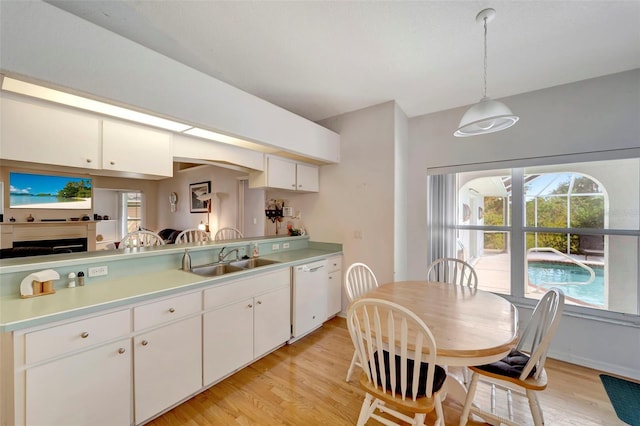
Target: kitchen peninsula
[{"x": 69, "y": 357}]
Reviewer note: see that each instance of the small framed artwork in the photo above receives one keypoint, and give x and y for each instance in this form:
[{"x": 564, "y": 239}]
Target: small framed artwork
[{"x": 197, "y": 190}]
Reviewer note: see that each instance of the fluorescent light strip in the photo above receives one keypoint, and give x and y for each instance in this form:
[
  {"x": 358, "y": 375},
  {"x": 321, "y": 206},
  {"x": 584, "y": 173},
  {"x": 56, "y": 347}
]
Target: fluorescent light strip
[
  {"x": 218, "y": 137},
  {"x": 28, "y": 89}
]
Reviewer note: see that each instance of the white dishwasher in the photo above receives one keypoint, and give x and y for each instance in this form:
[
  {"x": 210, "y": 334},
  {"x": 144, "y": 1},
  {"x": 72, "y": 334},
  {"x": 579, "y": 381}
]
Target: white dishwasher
[{"x": 309, "y": 298}]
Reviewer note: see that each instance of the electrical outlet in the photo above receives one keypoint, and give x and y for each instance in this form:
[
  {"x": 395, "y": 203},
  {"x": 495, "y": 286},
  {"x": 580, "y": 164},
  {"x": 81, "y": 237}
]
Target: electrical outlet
[
  {"x": 285, "y": 245},
  {"x": 98, "y": 271},
  {"x": 275, "y": 246}
]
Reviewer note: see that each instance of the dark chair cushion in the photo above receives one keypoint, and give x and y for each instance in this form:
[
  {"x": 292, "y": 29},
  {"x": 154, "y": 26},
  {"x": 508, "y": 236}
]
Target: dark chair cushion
[
  {"x": 168, "y": 235},
  {"x": 439, "y": 375},
  {"x": 510, "y": 366}
]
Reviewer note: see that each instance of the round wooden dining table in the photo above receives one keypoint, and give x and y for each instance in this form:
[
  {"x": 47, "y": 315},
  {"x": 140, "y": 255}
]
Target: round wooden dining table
[{"x": 470, "y": 326}]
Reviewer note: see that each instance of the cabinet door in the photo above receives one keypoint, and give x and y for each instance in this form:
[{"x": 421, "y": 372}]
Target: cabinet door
[
  {"x": 89, "y": 388},
  {"x": 167, "y": 366},
  {"x": 227, "y": 339},
  {"x": 272, "y": 320},
  {"x": 44, "y": 134},
  {"x": 335, "y": 293},
  {"x": 136, "y": 149},
  {"x": 307, "y": 178},
  {"x": 281, "y": 173}
]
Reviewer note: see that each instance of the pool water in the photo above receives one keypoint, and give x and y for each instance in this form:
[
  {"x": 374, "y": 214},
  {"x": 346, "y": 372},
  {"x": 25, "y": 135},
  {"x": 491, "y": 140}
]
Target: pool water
[{"x": 543, "y": 273}]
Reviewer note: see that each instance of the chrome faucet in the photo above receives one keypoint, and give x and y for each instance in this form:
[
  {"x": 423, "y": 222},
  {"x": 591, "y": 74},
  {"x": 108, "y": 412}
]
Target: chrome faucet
[{"x": 222, "y": 256}]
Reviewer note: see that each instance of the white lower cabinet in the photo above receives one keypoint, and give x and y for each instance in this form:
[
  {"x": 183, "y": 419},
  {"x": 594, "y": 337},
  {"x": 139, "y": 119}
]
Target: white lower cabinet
[
  {"x": 271, "y": 320},
  {"x": 128, "y": 366},
  {"x": 88, "y": 388},
  {"x": 228, "y": 339},
  {"x": 167, "y": 366},
  {"x": 244, "y": 320},
  {"x": 334, "y": 301}
]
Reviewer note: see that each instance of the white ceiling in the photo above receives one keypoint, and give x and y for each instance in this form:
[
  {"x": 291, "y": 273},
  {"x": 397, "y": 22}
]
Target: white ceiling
[{"x": 323, "y": 58}]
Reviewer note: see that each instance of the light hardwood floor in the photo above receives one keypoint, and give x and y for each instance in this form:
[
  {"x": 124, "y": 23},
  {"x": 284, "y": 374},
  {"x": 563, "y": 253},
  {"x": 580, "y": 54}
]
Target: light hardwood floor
[{"x": 304, "y": 384}]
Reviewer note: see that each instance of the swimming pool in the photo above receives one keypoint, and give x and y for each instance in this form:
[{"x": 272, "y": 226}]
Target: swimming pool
[{"x": 542, "y": 273}]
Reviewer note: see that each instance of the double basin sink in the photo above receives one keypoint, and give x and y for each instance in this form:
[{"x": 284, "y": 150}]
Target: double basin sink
[{"x": 216, "y": 269}]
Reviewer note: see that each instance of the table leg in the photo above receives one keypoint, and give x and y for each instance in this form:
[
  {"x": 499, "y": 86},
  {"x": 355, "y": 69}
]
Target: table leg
[{"x": 456, "y": 389}]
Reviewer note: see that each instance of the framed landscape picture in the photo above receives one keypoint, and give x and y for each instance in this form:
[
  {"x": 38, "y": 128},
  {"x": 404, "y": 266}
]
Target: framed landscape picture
[{"x": 197, "y": 190}]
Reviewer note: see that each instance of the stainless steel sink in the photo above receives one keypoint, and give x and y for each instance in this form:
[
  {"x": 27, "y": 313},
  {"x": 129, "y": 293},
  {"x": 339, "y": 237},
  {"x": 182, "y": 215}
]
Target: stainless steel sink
[
  {"x": 253, "y": 263},
  {"x": 216, "y": 269}
]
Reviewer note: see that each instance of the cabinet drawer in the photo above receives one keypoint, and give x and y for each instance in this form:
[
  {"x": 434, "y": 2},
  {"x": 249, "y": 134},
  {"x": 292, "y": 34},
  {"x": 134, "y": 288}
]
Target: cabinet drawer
[
  {"x": 166, "y": 310},
  {"x": 43, "y": 344},
  {"x": 334, "y": 264},
  {"x": 246, "y": 288}
]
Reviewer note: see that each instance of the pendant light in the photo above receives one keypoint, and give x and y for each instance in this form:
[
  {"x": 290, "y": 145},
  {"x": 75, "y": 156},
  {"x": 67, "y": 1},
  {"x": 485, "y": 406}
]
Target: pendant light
[{"x": 487, "y": 116}]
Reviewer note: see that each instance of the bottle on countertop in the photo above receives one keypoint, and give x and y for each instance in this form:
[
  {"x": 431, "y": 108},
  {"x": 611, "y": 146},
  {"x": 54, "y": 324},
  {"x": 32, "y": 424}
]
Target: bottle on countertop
[
  {"x": 72, "y": 280},
  {"x": 186, "y": 261},
  {"x": 256, "y": 253},
  {"x": 81, "y": 278}
]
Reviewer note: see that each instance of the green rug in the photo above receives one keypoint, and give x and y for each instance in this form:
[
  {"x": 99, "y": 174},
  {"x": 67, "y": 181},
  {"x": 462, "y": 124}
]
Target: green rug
[{"x": 625, "y": 398}]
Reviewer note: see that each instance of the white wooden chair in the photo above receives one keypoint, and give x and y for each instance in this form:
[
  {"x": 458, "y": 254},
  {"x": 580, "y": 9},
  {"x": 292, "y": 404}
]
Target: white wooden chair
[
  {"x": 359, "y": 279},
  {"x": 192, "y": 235},
  {"x": 388, "y": 338},
  {"x": 523, "y": 370},
  {"x": 141, "y": 239},
  {"x": 452, "y": 271},
  {"x": 228, "y": 233}
]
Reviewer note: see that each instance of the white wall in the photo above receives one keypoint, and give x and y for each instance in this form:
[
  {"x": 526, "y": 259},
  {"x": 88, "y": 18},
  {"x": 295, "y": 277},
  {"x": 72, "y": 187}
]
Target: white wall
[
  {"x": 403, "y": 199},
  {"x": 46, "y": 44},
  {"x": 224, "y": 182},
  {"x": 356, "y": 196},
  {"x": 588, "y": 116}
]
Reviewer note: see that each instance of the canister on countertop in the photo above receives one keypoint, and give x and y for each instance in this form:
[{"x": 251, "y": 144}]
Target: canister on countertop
[{"x": 80, "y": 278}]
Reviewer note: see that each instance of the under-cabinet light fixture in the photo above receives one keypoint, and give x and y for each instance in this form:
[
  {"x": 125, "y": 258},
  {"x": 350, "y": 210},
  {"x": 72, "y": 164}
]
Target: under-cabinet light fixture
[{"x": 40, "y": 92}]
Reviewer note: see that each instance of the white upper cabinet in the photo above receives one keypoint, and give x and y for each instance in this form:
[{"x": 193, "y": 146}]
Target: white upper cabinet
[
  {"x": 136, "y": 149},
  {"x": 307, "y": 178},
  {"x": 43, "y": 134},
  {"x": 287, "y": 174},
  {"x": 48, "y": 134}
]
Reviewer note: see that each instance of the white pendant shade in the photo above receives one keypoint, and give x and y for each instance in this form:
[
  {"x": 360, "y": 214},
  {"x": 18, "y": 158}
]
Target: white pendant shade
[{"x": 487, "y": 116}]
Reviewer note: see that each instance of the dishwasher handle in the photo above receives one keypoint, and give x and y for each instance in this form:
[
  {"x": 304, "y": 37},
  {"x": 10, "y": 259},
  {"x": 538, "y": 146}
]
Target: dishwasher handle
[{"x": 306, "y": 268}]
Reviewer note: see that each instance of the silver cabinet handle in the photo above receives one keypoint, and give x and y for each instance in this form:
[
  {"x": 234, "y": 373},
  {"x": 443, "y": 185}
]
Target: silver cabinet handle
[
  {"x": 172, "y": 310},
  {"x": 259, "y": 302},
  {"x": 89, "y": 160},
  {"x": 121, "y": 350},
  {"x": 113, "y": 163},
  {"x": 84, "y": 335},
  {"x": 249, "y": 305},
  {"x": 144, "y": 343}
]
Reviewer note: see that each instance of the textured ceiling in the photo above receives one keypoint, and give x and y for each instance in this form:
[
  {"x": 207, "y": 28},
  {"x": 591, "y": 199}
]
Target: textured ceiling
[{"x": 323, "y": 58}]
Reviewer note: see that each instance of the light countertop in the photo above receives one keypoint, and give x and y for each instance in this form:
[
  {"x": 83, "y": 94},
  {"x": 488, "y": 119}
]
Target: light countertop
[{"x": 17, "y": 313}]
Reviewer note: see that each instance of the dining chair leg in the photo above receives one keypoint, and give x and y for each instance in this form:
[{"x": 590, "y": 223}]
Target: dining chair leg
[
  {"x": 439, "y": 412},
  {"x": 418, "y": 420},
  {"x": 354, "y": 361},
  {"x": 469, "y": 401},
  {"x": 536, "y": 410},
  {"x": 365, "y": 410}
]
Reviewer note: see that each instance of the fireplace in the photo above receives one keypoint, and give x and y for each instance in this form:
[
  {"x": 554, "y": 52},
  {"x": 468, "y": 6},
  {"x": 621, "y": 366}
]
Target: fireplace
[
  {"x": 43, "y": 247},
  {"x": 22, "y": 239}
]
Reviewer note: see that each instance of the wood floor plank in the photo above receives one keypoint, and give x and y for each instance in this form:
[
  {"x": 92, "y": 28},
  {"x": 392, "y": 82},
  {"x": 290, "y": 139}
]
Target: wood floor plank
[{"x": 304, "y": 384}]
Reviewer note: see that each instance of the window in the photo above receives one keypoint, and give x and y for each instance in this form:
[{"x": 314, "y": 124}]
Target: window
[
  {"x": 132, "y": 211},
  {"x": 573, "y": 225}
]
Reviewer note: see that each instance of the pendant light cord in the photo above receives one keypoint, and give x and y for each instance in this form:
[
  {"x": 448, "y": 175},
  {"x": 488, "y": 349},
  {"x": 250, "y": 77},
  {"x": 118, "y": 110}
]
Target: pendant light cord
[{"x": 485, "y": 57}]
